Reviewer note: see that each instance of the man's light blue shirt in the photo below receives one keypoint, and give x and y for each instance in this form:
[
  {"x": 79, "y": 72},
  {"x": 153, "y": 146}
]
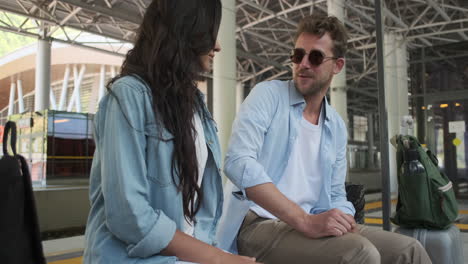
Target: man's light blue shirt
[{"x": 262, "y": 138}]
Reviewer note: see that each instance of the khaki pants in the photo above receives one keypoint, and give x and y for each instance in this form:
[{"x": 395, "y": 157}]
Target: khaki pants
[{"x": 273, "y": 242}]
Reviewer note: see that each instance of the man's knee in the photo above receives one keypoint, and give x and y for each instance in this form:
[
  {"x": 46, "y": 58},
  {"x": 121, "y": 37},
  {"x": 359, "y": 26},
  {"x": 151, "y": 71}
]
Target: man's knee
[
  {"x": 413, "y": 253},
  {"x": 366, "y": 252}
]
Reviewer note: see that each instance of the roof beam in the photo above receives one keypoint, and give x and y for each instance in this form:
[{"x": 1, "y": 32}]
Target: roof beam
[
  {"x": 268, "y": 11},
  {"x": 276, "y": 15},
  {"x": 444, "y": 15},
  {"x": 112, "y": 12},
  {"x": 392, "y": 16},
  {"x": 248, "y": 55},
  {"x": 268, "y": 39}
]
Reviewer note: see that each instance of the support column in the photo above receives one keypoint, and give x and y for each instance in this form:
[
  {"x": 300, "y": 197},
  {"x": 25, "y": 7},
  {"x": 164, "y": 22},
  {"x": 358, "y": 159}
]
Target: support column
[
  {"x": 63, "y": 94},
  {"x": 370, "y": 141},
  {"x": 402, "y": 77},
  {"x": 224, "y": 75},
  {"x": 102, "y": 82},
  {"x": 42, "y": 90},
  {"x": 11, "y": 103},
  {"x": 19, "y": 85},
  {"x": 383, "y": 117},
  {"x": 113, "y": 71},
  {"x": 338, "y": 86},
  {"x": 76, "y": 96},
  {"x": 396, "y": 83},
  {"x": 391, "y": 101},
  {"x": 239, "y": 95},
  {"x": 53, "y": 103}
]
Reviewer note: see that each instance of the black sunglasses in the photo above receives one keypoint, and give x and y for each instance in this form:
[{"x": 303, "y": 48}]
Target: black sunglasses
[{"x": 316, "y": 57}]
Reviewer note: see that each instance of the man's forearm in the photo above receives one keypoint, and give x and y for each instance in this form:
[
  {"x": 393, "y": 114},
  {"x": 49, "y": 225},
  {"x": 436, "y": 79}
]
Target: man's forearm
[
  {"x": 271, "y": 199},
  {"x": 331, "y": 223}
]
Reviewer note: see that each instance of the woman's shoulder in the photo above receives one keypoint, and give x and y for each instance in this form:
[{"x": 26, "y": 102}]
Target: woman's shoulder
[{"x": 130, "y": 83}]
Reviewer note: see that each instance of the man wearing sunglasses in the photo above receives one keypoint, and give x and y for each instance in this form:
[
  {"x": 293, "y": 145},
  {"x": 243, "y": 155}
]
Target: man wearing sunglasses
[{"x": 286, "y": 201}]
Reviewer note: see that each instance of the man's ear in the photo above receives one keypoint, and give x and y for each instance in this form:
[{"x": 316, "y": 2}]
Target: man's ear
[{"x": 339, "y": 64}]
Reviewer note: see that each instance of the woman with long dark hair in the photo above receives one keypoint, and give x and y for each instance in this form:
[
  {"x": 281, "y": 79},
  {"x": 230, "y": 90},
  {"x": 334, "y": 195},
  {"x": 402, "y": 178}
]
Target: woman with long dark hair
[{"x": 155, "y": 187}]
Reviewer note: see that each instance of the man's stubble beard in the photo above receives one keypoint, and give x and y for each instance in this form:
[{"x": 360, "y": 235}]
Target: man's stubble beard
[{"x": 318, "y": 87}]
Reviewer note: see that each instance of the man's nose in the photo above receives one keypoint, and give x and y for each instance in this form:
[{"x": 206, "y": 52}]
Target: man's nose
[{"x": 305, "y": 63}]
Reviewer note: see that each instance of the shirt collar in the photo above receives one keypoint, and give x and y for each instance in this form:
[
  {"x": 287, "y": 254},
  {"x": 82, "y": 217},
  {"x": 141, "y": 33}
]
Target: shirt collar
[{"x": 296, "y": 98}]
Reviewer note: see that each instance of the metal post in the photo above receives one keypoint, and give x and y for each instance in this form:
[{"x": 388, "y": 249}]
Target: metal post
[
  {"x": 370, "y": 140},
  {"x": 386, "y": 199}
]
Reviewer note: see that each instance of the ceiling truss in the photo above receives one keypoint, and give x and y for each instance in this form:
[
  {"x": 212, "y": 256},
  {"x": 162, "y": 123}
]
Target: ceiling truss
[{"x": 265, "y": 31}]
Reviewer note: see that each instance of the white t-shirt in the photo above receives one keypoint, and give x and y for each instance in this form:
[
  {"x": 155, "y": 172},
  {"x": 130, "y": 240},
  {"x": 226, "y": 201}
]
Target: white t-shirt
[
  {"x": 202, "y": 157},
  {"x": 301, "y": 181}
]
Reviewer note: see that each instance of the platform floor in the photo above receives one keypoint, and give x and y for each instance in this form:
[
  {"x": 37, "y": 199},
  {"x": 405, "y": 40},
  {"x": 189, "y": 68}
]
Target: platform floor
[{"x": 70, "y": 250}]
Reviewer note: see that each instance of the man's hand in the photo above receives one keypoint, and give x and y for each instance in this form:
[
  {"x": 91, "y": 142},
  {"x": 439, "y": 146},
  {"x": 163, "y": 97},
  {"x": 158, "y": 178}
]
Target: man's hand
[{"x": 330, "y": 223}]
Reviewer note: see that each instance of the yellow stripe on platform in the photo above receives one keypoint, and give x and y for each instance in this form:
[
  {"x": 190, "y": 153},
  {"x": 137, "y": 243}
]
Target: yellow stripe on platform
[
  {"x": 375, "y": 205},
  {"x": 464, "y": 212},
  {"x": 379, "y": 221},
  {"x": 374, "y": 221},
  {"x": 68, "y": 261},
  {"x": 378, "y": 204},
  {"x": 463, "y": 227}
]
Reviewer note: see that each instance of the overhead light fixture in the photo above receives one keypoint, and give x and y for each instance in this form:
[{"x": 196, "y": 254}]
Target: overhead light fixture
[
  {"x": 457, "y": 104},
  {"x": 443, "y": 105}
]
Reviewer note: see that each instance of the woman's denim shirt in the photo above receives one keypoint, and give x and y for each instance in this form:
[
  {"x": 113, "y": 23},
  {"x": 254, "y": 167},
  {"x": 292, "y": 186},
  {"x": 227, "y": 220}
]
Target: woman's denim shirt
[{"x": 135, "y": 205}]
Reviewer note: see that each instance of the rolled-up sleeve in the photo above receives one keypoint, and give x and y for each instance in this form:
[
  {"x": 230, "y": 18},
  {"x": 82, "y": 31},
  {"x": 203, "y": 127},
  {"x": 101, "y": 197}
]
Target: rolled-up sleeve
[
  {"x": 248, "y": 132},
  {"x": 338, "y": 190},
  {"x": 145, "y": 230}
]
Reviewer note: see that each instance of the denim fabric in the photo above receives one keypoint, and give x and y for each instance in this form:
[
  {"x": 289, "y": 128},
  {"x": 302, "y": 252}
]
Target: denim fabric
[{"x": 135, "y": 205}]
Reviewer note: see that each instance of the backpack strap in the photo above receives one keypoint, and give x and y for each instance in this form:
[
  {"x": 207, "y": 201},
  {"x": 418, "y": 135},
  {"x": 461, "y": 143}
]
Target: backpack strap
[
  {"x": 10, "y": 125},
  {"x": 401, "y": 145}
]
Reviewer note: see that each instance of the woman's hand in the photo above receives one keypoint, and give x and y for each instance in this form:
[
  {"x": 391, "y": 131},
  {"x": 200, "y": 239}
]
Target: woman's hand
[{"x": 227, "y": 258}]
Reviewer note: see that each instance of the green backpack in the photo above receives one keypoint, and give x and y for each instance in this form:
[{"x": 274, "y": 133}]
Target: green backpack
[{"x": 426, "y": 198}]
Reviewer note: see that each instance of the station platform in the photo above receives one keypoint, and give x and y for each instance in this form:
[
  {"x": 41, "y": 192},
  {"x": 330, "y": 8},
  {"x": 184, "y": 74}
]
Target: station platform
[{"x": 70, "y": 250}]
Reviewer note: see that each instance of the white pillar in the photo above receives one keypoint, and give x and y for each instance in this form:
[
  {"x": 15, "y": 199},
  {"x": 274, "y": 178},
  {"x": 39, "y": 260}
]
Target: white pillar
[
  {"x": 391, "y": 101},
  {"x": 102, "y": 82},
  {"x": 63, "y": 94},
  {"x": 76, "y": 96},
  {"x": 224, "y": 75},
  {"x": 11, "y": 104},
  {"x": 239, "y": 95},
  {"x": 41, "y": 98},
  {"x": 338, "y": 86},
  {"x": 402, "y": 75},
  {"x": 19, "y": 85},
  {"x": 113, "y": 71},
  {"x": 53, "y": 103}
]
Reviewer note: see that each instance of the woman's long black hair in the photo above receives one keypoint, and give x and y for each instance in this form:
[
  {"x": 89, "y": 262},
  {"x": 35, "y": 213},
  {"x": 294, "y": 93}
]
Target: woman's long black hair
[{"x": 169, "y": 43}]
